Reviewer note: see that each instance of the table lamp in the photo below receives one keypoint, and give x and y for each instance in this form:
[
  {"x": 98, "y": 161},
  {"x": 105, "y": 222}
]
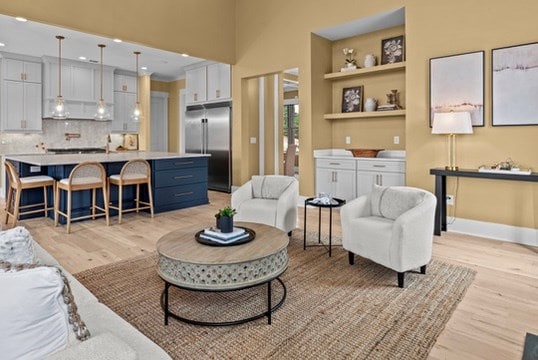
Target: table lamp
[{"x": 452, "y": 123}]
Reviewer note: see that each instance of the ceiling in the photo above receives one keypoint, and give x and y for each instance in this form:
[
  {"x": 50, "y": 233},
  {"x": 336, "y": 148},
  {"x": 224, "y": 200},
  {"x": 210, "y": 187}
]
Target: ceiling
[
  {"x": 36, "y": 39},
  {"x": 364, "y": 25}
]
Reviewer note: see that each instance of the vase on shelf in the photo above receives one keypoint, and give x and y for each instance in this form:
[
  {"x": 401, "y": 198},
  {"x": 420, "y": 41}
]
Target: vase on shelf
[
  {"x": 369, "y": 60},
  {"x": 370, "y": 104}
]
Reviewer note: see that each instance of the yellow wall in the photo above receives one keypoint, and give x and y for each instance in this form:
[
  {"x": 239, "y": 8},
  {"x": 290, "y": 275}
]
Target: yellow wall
[
  {"x": 270, "y": 37},
  {"x": 201, "y": 28}
]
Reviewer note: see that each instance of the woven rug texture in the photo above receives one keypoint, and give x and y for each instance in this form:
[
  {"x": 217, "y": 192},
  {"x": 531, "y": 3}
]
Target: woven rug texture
[{"x": 332, "y": 310}]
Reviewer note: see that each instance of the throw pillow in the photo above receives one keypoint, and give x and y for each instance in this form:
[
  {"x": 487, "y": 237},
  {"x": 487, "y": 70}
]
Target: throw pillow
[
  {"x": 16, "y": 246},
  {"x": 36, "y": 309},
  {"x": 392, "y": 201},
  {"x": 274, "y": 185},
  {"x": 257, "y": 183},
  {"x": 375, "y": 199}
]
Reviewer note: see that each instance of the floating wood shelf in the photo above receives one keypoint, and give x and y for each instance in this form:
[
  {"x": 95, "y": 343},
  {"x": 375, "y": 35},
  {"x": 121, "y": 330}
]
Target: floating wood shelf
[
  {"x": 364, "y": 115},
  {"x": 365, "y": 71}
]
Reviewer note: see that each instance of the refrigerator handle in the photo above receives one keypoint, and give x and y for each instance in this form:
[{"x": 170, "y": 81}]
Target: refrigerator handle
[
  {"x": 202, "y": 134},
  {"x": 206, "y": 141}
]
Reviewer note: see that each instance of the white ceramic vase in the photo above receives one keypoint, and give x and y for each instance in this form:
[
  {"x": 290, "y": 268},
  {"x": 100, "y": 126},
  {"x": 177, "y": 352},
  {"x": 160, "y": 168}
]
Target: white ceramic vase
[
  {"x": 369, "y": 60},
  {"x": 370, "y": 104}
]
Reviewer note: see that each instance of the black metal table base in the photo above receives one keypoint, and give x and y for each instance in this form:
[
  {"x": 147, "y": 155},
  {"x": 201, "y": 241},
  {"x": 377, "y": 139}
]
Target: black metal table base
[
  {"x": 308, "y": 202},
  {"x": 270, "y": 308}
]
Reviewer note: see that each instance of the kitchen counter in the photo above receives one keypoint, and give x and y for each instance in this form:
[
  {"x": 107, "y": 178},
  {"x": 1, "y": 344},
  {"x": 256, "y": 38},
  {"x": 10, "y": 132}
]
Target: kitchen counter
[{"x": 113, "y": 156}]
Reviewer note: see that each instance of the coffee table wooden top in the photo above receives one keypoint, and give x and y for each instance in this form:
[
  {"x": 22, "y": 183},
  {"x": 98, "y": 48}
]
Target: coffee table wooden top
[{"x": 181, "y": 245}]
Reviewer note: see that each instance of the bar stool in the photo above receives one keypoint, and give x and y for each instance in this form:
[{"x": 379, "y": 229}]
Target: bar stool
[
  {"x": 134, "y": 172},
  {"x": 84, "y": 176},
  {"x": 17, "y": 185}
]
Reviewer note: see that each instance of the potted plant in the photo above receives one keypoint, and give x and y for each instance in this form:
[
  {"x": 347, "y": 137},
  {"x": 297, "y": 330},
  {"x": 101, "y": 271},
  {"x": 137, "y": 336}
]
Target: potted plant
[{"x": 225, "y": 219}]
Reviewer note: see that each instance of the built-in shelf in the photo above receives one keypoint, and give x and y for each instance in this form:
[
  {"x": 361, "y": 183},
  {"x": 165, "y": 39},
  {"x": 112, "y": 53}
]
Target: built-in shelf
[
  {"x": 364, "y": 115},
  {"x": 365, "y": 71}
]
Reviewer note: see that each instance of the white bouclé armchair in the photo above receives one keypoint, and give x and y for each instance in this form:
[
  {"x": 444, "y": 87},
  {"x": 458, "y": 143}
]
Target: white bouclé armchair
[
  {"x": 392, "y": 226},
  {"x": 270, "y": 200}
]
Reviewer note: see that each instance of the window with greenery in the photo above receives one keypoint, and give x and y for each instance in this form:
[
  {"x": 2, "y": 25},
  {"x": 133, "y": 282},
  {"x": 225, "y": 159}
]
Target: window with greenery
[{"x": 291, "y": 125}]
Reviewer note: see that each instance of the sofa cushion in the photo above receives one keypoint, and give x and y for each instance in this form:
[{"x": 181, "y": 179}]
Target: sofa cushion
[
  {"x": 16, "y": 246},
  {"x": 261, "y": 211},
  {"x": 270, "y": 186},
  {"x": 104, "y": 346},
  {"x": 392, "y": 201},
  {"x": 36, "y": 309}
]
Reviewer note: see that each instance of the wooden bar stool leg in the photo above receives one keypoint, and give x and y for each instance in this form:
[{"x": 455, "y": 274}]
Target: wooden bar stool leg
[
  {"x": 56, "y": 204},
  {"x": 45, "y": 200},
  {"x": 105, "y": 201},
  {"x": 9, "y": 203},
  {"x": 150, "y": 199},
  {"x": 68, "y": 211},
  {"x": 93, "y": 204},
  {"x": 16, "y": 206},
  {"x": 120, "y": 202}
]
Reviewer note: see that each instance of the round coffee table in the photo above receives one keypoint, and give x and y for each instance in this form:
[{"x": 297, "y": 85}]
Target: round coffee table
[{"x": 187, "y": 264}]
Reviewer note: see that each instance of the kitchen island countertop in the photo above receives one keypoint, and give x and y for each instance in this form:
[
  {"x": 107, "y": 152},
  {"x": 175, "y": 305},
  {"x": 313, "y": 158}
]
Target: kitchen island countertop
[{"x": 113, "y": 156}]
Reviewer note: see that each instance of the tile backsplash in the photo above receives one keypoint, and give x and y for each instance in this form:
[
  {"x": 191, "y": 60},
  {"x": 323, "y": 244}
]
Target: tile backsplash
[{"x": 92, "y": 134}]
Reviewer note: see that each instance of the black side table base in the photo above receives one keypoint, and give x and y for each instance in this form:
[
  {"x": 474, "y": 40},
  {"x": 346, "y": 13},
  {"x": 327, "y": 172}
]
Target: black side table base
[{"x": 307, "y": 202}]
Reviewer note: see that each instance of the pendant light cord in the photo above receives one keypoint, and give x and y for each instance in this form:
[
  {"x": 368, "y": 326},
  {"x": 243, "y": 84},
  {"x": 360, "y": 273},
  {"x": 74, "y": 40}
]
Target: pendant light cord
[
  {"x": 137, "y": 99},
  {"x": 101, "y": 87},
  {"x": 60, "y": 38}
]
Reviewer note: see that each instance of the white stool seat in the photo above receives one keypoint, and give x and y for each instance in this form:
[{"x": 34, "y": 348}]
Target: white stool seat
[
  {"x": 35, "y": 179},
  {"x": 82, "y": 181},
  {"x": 129, "y": 177}
]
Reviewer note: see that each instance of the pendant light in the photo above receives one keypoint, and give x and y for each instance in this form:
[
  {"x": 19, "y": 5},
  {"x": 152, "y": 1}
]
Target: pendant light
[
  {"x": 136, "y": 115},
  {"x": 59, "y": 111},
  {"x": 102, "y": 113}
]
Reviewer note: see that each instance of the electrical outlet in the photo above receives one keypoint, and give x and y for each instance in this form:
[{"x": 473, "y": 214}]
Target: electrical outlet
[
  {"x": 348, "y": 140},
  {"x": 450, "y": 199},
  {"x": 396, "y": 140},
  {"x": 253, "y": 140}
]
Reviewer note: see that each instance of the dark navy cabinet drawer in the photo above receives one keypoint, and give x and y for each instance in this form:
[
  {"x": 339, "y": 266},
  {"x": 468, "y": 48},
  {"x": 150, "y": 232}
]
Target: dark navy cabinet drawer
[
  {"x": 178, "y": 163},
  {"x": 181, "y": 194},
  {"x": 179, "y": 177}
]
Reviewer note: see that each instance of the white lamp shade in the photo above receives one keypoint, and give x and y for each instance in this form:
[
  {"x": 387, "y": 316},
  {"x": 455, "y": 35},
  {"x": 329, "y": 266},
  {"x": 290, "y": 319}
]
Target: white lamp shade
[{"x": 452, "y": 123}]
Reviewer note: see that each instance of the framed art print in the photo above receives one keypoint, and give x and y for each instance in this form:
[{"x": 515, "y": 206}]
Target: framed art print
[
  {"x": 392, "y": 50},
  {"x": 352, "y": 99},
  {"x": 514, "y": 85},
  {"x": 457, "y": 84}
]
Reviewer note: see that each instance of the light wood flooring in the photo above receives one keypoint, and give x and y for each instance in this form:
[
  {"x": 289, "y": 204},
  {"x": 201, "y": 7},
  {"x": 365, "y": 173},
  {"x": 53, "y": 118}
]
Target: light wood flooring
[{"x": 490, "y": 322}]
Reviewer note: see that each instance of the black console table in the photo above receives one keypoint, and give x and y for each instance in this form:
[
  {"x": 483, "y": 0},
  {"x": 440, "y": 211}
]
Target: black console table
[{"x": 440, "y": 188}]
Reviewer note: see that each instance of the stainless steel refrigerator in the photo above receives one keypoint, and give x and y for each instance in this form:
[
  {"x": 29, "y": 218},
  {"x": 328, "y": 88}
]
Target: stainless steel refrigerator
[{"x": 208, "y": 131}]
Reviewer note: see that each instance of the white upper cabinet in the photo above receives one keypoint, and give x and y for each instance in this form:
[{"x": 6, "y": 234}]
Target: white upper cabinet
[
  {"x": 125, "y": 83},
  {"x": 124, "y": 103},
  {"x": 196, "y": 85},
  {"x": 218, "y": 82},
  {"x": 20, "y": 94},
  {"x": 81, "y": 84},
  {"x": 19, "y": 70},
  {"x": 210, "y": 83}
]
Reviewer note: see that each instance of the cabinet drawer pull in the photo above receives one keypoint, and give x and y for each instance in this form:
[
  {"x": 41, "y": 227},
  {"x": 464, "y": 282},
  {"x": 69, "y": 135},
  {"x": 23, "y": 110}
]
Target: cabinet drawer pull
[
  {"x": 182, "y": 177},
  {"x": 380, "y": 166},
  {"x": 184, "y": 163},
  {"x": 334, "y": 163},
  {"x": 184, "y": 194}
]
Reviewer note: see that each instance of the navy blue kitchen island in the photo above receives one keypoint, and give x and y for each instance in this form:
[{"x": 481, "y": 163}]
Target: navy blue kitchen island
[{"x": 177, "y": 180}]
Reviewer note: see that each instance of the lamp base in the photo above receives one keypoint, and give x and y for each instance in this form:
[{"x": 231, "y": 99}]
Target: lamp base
[{"x": 451, "y": 168}]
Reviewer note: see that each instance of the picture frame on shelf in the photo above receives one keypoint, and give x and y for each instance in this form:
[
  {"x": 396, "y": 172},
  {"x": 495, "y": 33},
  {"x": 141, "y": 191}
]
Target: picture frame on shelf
[
  {"x": 514, "y": 89},
  {"x": 393, "y": 50},
  {"x": 457, "y": 84},
  {"x": 130, "y": 141},
  {"x": 352, "y": 99}
]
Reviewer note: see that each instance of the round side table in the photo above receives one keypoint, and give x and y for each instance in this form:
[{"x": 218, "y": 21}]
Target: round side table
[{"x": 311, "y": 202}]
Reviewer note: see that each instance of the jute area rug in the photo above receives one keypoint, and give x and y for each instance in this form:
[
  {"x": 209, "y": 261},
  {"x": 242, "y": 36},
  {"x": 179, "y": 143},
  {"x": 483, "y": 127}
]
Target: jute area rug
[{"x": 333, "y": 310}]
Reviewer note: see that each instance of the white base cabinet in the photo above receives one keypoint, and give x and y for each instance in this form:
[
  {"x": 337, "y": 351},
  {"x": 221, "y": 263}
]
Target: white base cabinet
[
  {"x": 337, "y": 177},
  {"x": 379, "y": 171}
]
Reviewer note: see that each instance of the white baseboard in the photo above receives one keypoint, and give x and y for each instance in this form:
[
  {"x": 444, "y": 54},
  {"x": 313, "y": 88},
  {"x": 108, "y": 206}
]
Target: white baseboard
[{"x": 515, "y": 234}]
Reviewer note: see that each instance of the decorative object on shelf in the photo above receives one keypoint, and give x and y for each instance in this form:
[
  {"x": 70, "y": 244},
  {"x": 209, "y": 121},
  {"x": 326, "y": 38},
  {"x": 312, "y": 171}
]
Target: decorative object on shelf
[
  {"x": 352, "y": 99},
  {"x": 392, "y": 50},
  {"x": 102, "y": 113},
  {"x": 136, "y": 115},
  {"x": 130, "y": 141},
  {"x": 505, "y": 167},
  {"x": 393, "y": 102},
  {"x": 60, "y": 111},
  {"x": 225, "y": 219},
  {"x": 351, "y": 63},
  {"x": 370, "y": 60},
  {"x": 513, "y": 85},
  {"x": 369, "y": 153},
  {"x": 452, "y": 123},
  {"x": 370, "y": 104},
  {"x": 457, "y": 84}
]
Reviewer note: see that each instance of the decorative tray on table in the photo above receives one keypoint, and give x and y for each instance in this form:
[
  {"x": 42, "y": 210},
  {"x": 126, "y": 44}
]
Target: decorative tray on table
[{"x": 214, "y": 237}]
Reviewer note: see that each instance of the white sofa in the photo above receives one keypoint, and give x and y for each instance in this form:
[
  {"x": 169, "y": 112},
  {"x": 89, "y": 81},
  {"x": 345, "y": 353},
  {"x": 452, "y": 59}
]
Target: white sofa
[
  {"x": 392, "y": 226},
  {"x": 270, "y": 200},
  {"x": 111, "y": 336}
]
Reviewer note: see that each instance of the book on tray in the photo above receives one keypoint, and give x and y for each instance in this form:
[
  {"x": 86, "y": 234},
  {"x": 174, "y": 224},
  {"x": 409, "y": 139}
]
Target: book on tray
[
  {"x": 239, "y": 235},
  {"x": 216, "y": 233}
]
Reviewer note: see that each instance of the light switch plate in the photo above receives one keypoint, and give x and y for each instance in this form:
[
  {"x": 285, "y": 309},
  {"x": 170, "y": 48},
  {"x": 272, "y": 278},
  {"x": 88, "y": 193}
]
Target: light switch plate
[
  {"x": 253, "y": 140},
  {"x": 348, "y": 140},
  {"x": 396, "y": 139}
]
